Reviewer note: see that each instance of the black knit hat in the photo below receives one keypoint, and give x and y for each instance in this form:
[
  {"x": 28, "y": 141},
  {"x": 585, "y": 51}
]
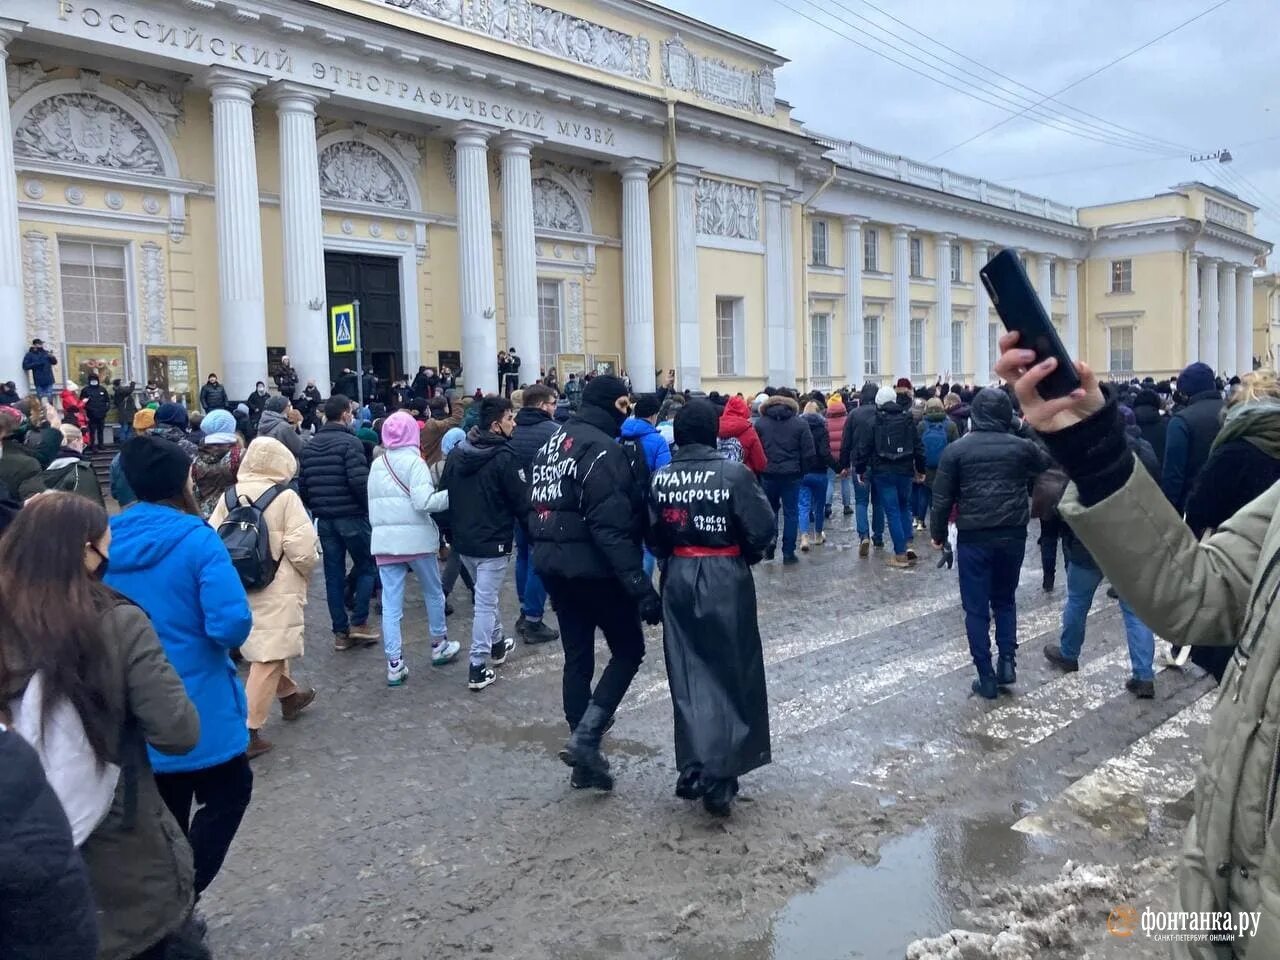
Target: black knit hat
[
  {"x": 156, "y": 468},
  {"x": 278, "y": 404},
  {"x": 603, "y": 392},
  {"x": 698, "y": 421}
]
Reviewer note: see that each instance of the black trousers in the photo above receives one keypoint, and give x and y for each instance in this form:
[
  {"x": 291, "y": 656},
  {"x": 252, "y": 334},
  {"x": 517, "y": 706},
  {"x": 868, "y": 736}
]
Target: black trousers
[
  {"x": 222, "y": 793},
  {"x": 96, "y": 428},
  {"x": 581, "y": 606},
  {"x": 1050, "y": 536}
]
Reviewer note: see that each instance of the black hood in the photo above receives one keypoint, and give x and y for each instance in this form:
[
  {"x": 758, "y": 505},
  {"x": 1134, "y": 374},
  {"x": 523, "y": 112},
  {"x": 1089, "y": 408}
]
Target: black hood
[
  {"x": 479, "y": 447},
  {"x": 599, "y": 418},
  {"x": 991, "y": 410},
  {"x": 868, "y": 395}
]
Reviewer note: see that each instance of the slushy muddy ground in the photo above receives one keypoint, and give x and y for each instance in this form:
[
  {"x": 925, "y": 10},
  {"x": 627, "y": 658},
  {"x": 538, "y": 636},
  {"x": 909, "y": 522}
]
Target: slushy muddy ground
[{"x": 901, "y": 815}]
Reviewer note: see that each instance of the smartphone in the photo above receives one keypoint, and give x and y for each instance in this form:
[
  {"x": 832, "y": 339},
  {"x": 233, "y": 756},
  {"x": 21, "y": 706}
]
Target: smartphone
[{"x": 1020, "y": 309}]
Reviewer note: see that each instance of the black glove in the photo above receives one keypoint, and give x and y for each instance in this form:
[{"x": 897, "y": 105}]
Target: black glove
[
  {"x": 948, "y": 557},
  {"x": 650, "y": 607}
]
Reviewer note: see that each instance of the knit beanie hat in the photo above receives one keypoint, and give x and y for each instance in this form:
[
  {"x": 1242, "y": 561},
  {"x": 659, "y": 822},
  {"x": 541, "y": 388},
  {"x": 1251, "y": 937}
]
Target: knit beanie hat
[
  {"x": 698, "y": 421},
  {"x": 156, "y": 469},
  {"x": 1196, "y": 378},
  {"x": 933, "y": 405},
  {"x": 452, "y": 437},
  {"x": 219, "y": 427},
  {"x": 172, "y": 414},
  {"x": 400, "y": 430},
  {"x": 603, "y": 392},
  {"x": 278, "y": 404},
  {"x": 886, "y": 395},
  {"x": 144, "y": 419},
  {"x": 903, "y": 384}
]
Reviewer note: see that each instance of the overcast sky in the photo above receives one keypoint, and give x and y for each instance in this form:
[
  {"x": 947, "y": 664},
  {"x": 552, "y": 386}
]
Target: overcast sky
[{"x": 1214, "y": 83}]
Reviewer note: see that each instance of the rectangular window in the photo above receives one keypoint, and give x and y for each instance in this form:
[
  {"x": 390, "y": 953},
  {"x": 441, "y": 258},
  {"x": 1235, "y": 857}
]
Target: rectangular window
[
  {"x": 728, "y": 335},
  {"x": 1054, "y": 289},
  {"x": 95, "y": 299},
  {"x": 871, "y": 249},
  {"x": 820, "y": 344},
  {"x": 957, "y": 347},
  {"x": 1122, "y": 350},
  {"x": 957, "y": 263},
  {"x": 917, "y": 257},
  {"x": 871, "y": 345},
  {"x": 1122, "y": 276},
  {"x": 917, "y": 346},
  {"x": 549, "y": 324},
  {"x": 820, "y": 252},
  {"x": 993, "y": 352}
]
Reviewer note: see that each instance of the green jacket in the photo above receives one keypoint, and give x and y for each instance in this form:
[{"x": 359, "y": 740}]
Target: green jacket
[{"x": 1213, "y": 593}]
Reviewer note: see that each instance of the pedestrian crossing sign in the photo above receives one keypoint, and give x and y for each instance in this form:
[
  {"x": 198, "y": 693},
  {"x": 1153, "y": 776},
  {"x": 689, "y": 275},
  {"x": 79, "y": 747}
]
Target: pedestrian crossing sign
[{"x": 342, "y": 328}]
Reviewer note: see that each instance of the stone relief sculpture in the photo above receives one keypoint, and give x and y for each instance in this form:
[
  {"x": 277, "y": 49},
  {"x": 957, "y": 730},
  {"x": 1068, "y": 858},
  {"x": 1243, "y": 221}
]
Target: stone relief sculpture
[
  {"x": 23, "y": 76},
  {"x": 713, "y": 79},
  {"x": 554, "y": 208},
  {"x": 84, "y": 128},
  {"x": 155, "y": 317},
  {"x": 582, "y": 180},
  {"x": 357, "y": 172},
  {"x": 37, "y": 288},
  {"x": 448, "y": 10},
  {"x": 162, "y": 102},
  {"x": 728, "y": 210}
]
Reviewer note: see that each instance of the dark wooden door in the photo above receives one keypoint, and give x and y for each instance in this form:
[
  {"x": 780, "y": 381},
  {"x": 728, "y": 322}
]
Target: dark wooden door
[{"x": 375, "y": 282}]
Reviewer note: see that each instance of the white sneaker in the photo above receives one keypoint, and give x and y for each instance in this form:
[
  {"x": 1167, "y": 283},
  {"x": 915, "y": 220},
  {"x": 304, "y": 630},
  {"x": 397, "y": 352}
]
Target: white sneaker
[
  {"x": 398, "y": 674},
  {"x": 444, "y": 652}
]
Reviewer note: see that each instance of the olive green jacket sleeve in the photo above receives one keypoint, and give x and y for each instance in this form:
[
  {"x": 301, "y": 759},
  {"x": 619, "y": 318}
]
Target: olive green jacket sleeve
[{"x": 1188, "y": 592}]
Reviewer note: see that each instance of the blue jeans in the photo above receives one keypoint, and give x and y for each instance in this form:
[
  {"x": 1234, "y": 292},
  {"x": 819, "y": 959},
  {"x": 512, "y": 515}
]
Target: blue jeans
[
  {"x": 340, "y": 536},
  {"x": 784, "y": 494},
  {"x": 529, "y": 588},
  {"x": 865, "y": 493},
  {"x": 123, "y": 433},
  {"x": 393, "y": 576},
  {"x": 45, "y": 393},
  {"x": 894, "y": 490},
  {"x": 1082, "y": 583},
  {"x": 846, "y": 489},
  {"x": 988, "y": 584},
  {"x": 813, "y": 488},
  {"x": 650, "y": 561},
  {"x": 921, "y": 499}
]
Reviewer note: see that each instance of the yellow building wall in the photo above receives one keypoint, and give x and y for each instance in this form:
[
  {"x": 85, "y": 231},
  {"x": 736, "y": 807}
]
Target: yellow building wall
[
  {"x": 1132, "y": 211},
  {"x": 728, "y": 273},
  {"x": 1158, "y": 343}
]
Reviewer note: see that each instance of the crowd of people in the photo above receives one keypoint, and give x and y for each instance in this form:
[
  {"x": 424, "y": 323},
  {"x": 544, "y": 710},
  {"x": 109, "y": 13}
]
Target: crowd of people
[{"x": 125, "y": 632}]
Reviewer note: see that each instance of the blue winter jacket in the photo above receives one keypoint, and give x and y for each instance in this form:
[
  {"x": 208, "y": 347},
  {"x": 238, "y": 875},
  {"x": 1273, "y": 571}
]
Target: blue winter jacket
[
  {"x": 656, "y": 451},
  {"x": 175, "y": 568}
]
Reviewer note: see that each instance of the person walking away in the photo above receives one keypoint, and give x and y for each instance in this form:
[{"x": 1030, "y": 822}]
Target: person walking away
[
  {"x": 1083, "y": 580},
  {"x": 278, "y": 607},
  {"x": 1244, "y": 461},
  {"x": 172, "y": 564},
  {"x": 97, "y": 404},
  {"x": 275, "y": 423},
  {"x": 868, "y": 508},
  {"x": 217, "y": 461},
  {"x": 402, "y": 500},
  {"x": 1148, "y": 410},
  {"x": 488, "y": 489},
  {"x": 958, "y": 411},
  {"x": 737, "y": 438},
  {"x": 171, "y": 424},
  {"x": 788, "y": 448},
  {"x": 97, "y": 661},
  {"x": 534, "y": 428},
  {"x": 587, "y": 520},
  {"x": 936, "y": 430},
  {"x": 39, "y": 362},
  {"x": 1190, "y": 433},
  {"x": 143, "y": 421},
  {"x": 986, "y": 475},
  {"x": 124, "y": 398},
  {"x": 286, "y": 379},
  {"x": 890, "y": 452},
  {"x": 213, "y": 395},
  {"x": 837, "y": 415},
  {"x": 813, "y": 483},
  {"x": 443, "y": 419},
  {"x": 711, "y": 522},
  {"x": 69, "y": 471},
  {"x": 333, "y": 479},
  {"x": 640, "y": 433}
]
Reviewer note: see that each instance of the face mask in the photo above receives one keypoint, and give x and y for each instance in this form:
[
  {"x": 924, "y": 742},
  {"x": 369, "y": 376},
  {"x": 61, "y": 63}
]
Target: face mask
[
  {"x": 101, "y": 571},
  {"x": 93, "y": 383}
]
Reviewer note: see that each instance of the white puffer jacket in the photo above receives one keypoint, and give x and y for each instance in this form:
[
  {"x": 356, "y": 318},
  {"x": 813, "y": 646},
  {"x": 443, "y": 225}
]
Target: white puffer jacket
[{"x": 402, "y": 524}]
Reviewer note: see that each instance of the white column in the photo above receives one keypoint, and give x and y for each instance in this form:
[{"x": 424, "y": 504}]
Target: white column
[
  {"x": 1072, "y": 337},
  {"x": 942, "y": 362},
  {"x": 775, "y": 305},
  {"x": 14, "y": 343},
  {"x": 475, "y": 259},
  {"x": 1044, "y": 263},
  {"x": 1209, "y": 312},
  {"x": 854, "y": 334},
  {"x": 240, "y": 291},
  {"x": 1227, "y": 320},
  {"x": 981, "y": 317},
  {"x": 1193, "y": 309},
  {"x": 789, "y": 295},
  {"x": 688, "y": 333},
  {"x": 519, "y": 263},
  {"x": 637, "y": 276},
  {"x": 302, "y": 229},
  {"x": 1244, "y": 320},
  {"x": 901, "y": 301}
]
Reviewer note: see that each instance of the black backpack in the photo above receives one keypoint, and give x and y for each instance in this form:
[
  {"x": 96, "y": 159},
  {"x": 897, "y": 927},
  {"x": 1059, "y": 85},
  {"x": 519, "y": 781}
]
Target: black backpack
[
  {"x": 245, "y": 535},
  {"x": 895, "y": 437}
]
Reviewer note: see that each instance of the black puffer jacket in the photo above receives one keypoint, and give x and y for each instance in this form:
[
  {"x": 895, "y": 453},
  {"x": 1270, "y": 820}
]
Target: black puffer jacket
[
  {"x": 213, "y": 396},
  {"x": 588, "y": 506},
  {"x": 333, "y": 474},
  {"x": 97, "y": 402},
  {"x": 787, "y": 440},
  {"x": 821, "y": 458},
  {"x": 988, "y": 472},
  {"x": 46, "y": 904},
  {"x": 862, "y": 418},
  {"x": 488, "y": 489},
  {"x": 534, "y": 427}
]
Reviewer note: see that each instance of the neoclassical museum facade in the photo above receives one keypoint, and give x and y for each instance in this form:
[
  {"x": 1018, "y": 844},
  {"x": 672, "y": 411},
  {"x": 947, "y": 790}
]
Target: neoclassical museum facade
[{"x": 189, "y": 184}]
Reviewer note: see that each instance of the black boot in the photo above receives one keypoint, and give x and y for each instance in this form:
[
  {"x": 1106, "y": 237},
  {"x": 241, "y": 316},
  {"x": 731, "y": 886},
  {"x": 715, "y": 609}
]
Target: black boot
[
  {"x": 583, "y": 749},
  {"x": 718, "y": 799},
  {"x": 1006, "y": 675},
  {"x": 690, "y": 785}
]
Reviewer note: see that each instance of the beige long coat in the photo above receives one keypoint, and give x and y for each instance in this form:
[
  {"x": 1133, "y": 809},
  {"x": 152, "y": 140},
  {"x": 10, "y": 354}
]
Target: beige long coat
[{"x": 278, "y": 609}]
